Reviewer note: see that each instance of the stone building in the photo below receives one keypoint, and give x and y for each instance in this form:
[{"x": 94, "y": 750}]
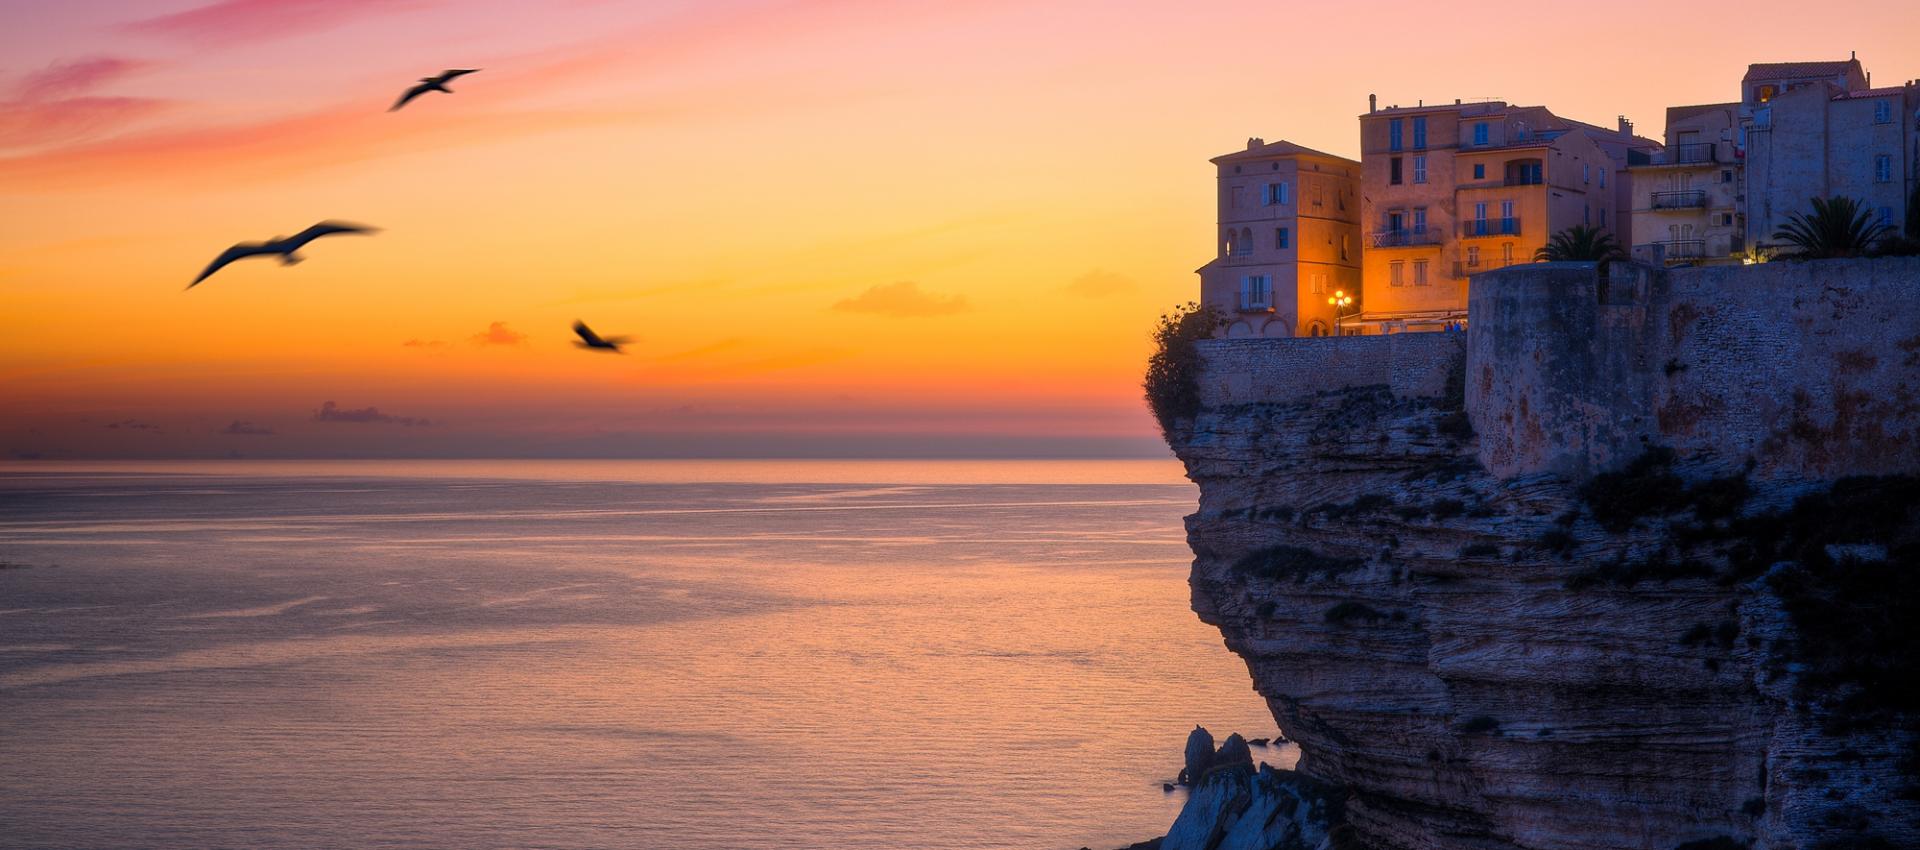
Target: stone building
[
  {"x": 1688, "y": 200},
  {"x": 1456, "y": 189},
  {"x": 1289, "y": 238},
  {"x": 1820, "y": 129}
]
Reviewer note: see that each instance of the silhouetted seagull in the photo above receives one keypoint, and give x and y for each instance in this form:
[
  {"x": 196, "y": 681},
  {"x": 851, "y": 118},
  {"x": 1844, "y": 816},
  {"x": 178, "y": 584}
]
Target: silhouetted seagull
[
  {"x": 591, "y": 340},
  {"x": 428, "y": 84},
  {"x": 285, "y": 246}
]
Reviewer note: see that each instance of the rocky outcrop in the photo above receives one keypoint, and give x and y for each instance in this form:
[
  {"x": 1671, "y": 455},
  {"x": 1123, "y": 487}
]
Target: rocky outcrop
[
  {"x": 1235, "y": 806},
  {"x": 1598, "y": 574}
]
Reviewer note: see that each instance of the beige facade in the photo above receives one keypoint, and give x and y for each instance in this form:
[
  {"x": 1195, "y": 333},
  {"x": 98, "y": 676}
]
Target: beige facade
[
  {"x": 1453, "y": 190},
  {"x": 1817, "y": 139},
  {"x": 1288, "y": 239},
  {"x": 1687, "y": 202}
]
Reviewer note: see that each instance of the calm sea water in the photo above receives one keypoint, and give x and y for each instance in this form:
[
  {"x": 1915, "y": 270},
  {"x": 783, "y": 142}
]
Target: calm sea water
[{"x": 574, "y": 655}]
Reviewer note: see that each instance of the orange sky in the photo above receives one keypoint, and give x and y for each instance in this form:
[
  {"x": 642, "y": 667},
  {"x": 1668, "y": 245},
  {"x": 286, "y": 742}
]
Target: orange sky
[{"x": 834, "y": 228}]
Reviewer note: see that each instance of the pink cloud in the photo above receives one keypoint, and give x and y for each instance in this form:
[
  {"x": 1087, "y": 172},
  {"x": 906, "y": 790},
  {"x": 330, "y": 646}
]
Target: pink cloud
[
  {"x": 498, "y": 333},
  {"x": 241, "y": 20},
  {"x": 66, "y": 79},
  {"x": 54, "y": 105}
]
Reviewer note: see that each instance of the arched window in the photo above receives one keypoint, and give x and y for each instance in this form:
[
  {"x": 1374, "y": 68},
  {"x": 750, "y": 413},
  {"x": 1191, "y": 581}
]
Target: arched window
[
  {"x": 1245, "y": 245},
  {"x": 1317, "y": 328},
  {"x": 1239, "y": 330},
  {"x": 1226, "y": 243}
]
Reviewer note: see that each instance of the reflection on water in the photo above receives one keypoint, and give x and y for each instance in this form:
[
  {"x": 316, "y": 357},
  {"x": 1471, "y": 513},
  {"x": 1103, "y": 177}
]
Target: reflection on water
[{"x": 519, "y": 655}]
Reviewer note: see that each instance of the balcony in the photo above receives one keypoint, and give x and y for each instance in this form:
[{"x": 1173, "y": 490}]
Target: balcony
[
  {"x": 1254, "y": 304},
  {"x": 1683, "y": 249},
  {"x": 1466, "y": 268},
  {"x": 1693, "y": 153},
  {"x": 1490, "y": 227},
  {"x": 1405, "y": 238},
  {"x": 1685, "y": 199}
]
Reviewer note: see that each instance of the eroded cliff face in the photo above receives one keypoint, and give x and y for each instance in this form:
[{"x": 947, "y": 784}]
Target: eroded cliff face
[{"x": 1558, "y": 610}]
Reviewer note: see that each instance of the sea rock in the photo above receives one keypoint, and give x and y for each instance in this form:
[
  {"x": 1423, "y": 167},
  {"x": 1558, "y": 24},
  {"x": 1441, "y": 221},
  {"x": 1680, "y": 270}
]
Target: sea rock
[
  {"x": 1237, "y": 808},
  {"x": 1199, "y": 756}
]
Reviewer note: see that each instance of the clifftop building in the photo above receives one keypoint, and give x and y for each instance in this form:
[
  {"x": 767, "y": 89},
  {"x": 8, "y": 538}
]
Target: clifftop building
[
  {"x": 1289, "y": 238},
  {"x": 1452, "y": 190}
]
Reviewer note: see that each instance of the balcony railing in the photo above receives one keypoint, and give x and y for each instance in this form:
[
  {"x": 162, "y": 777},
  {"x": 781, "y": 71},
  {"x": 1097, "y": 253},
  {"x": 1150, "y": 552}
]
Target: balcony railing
[
  {"x": 1680, "y": 200},
  {"x": 1406, "y": 238},
  {"x": 1691, "y": 153},
  {"x": 1468, "y": 268},
  {"x": 1683, "y": 249},
  {"x": 1490, "y": 227},
  {"x": 1253, "y": 304}
]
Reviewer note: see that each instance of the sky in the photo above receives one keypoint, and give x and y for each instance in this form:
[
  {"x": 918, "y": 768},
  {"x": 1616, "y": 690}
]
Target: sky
[{"x": 832, "y": 229}]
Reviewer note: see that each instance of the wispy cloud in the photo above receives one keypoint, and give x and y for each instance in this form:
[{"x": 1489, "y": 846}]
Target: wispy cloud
[
  {"x": 132, "y": 425},
  {"x": 331, "y": 412},
  {"x": 247, "y": 429},
  {"x": 54, "y": 104},
  {"x": 246, "y": 20},
  {"x": 904, "y": 300},
  {"x": 1100, "y": 283},
  {"x": 424, "y": 343},
  {"x": 498, "y": 333}
]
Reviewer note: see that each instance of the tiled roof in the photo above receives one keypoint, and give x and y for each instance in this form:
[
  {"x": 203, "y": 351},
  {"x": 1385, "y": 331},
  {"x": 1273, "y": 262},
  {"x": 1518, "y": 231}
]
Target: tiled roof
[
  {"x": 1273, "y": 149},
  {"x": 1879, "y": 92},
  {"x": 1796, "y": 70}
]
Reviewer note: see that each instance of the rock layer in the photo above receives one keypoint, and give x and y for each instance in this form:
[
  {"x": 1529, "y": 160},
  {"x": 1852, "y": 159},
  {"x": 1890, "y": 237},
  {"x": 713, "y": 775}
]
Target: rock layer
[{"x": 1601, "y": 643}]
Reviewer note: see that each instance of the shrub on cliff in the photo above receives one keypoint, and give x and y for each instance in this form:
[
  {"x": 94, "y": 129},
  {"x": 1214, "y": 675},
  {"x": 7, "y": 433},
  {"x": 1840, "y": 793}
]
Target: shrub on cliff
[
  {"x": 1838, "y": 227},
  {"x": 1173, "y": 370}
]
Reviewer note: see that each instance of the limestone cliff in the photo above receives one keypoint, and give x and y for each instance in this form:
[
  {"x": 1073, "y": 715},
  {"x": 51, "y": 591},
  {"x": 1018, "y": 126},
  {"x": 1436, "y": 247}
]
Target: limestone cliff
[{"x": 1630, "y": 564}]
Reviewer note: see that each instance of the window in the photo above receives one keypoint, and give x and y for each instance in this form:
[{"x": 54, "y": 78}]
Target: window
[
  {"x": 1480, "y": 133},
  {"x": 1726, "y": 219},
  {"x": 1886, "y": 216},
  {"x": 1227, "y": 241},
  {"x": 1603, "y": 178},
  {"x": 1420, "y": 219},
  {"x": 1507, "y": 224},
  {"x": 1254, "y": 294},
  {"x": 1397, "y": 273},
  {"x": 1530, "y": 173},
  {"x": 1345, "y": 245},
  {"x": 1236, "y": 197},
  {"x": 1318, "y": 192},
  {"x": 1393, "y": 171},
  {"x": 1473, "y": 256},
  {"x": 1317, "y": 284},
  {"x": 1726, "y": 175},
  {"x": 1586, "y": 214},
  {"x": 1246, "y": 241},
  {"x": 1506, "y": 253},
  {"x": 1882, "y": 168},
  {"x": 1420, "y": 169},
  {"x": 1420, "y": 133},
  {"x": 1764, "y": 94},
  {"x": 1393, "y": 134},
  {"x": 1479, "y": 171},
  {"x": 1586, "y": 173},
  {"x": 1276, "y": 194},
  {"x": 1419, "y": 272},
  {"x": 1396, "y": 221},
  {"x": 1280, "y": 238},
  {"x": 1882, "y": 112}
]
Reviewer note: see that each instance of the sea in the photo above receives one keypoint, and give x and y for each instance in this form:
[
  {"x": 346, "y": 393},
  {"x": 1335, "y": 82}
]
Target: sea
[{"x": 601, "y": 654}]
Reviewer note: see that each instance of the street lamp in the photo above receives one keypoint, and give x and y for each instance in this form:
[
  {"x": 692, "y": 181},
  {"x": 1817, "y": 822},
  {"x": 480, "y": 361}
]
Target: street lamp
[{"x": 1340, "y": 301}]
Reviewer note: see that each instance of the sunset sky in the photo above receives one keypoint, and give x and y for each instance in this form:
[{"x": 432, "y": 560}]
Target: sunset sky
[{"x": 833, "y": 228}]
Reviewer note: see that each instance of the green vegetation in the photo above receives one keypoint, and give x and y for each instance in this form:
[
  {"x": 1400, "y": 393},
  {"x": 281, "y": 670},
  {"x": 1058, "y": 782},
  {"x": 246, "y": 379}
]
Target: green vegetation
[
  {"x": 1838, "y": 227},
  {"x": 1173, "y": 370},
  {"x": 1581, "y": 243},
  {"x": 1480, "y": 725},
  {"x": 1293, "y": 563},
  {"x": 1351, "y": 610}
]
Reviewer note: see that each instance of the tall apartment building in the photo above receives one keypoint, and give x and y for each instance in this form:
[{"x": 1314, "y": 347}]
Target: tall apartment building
[
  {"x": 1452, "y": 190},
  {"x": 1289, "y": 238},
  {"x": 1689, "y": 200},
  {"x": 1819, "y": 129}
]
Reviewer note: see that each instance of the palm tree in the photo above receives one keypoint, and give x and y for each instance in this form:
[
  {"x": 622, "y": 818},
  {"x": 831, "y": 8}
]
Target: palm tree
[
  {"x": 1838, "y": 227},
  {"x": 1581, "y": 243}
]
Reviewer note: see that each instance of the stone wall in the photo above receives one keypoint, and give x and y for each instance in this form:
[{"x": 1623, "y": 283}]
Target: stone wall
[
  {"x": 1246, "y": 371},
  {"x": 1805, "y": 370}
]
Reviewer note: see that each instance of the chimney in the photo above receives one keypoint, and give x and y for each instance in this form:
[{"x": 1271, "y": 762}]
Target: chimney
[
  {"x": 1254, "y": 142},
  {"x": 1373, "y": 103},
  {"x": 1456, "y": 101},
  {"x": 1626, "y": 127}
]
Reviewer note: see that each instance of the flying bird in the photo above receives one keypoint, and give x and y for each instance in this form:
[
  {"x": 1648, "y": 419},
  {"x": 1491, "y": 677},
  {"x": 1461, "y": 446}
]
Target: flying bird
[
  {"x": 285, "y": 246},
  {"x": 593, "y": 341},
  {"x": 428, "y": 84}
]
